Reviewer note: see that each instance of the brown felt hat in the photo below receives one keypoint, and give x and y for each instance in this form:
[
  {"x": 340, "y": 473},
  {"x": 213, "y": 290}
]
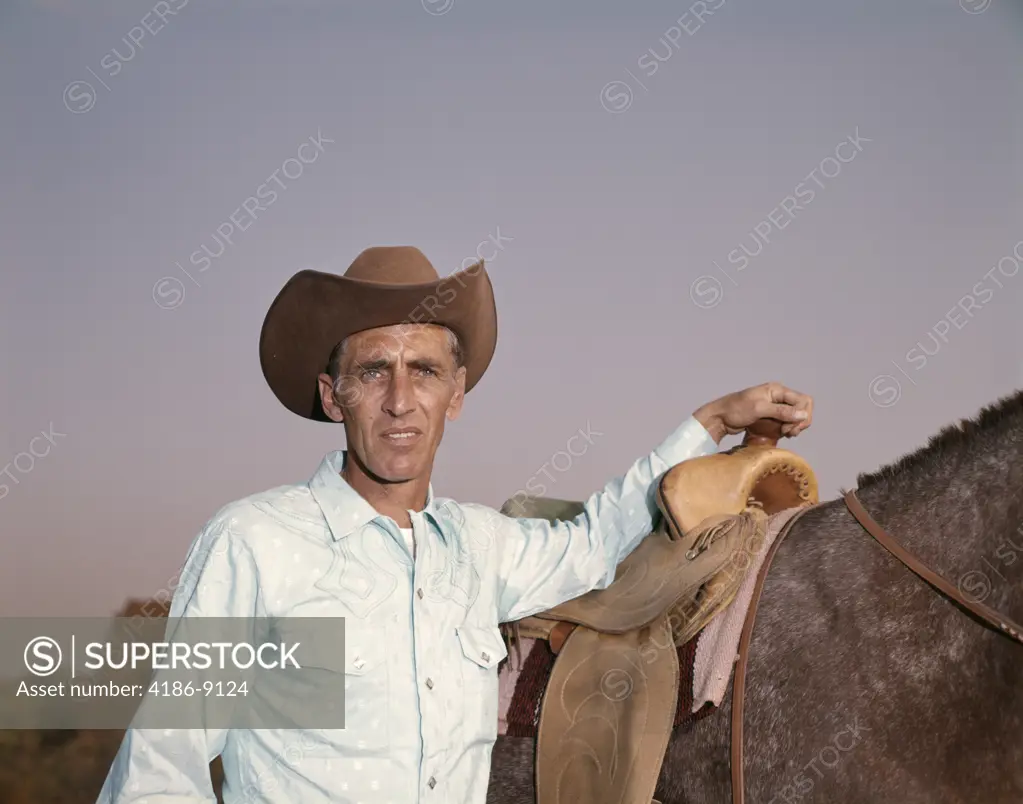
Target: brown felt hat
[{"x": 384, "y": 286}]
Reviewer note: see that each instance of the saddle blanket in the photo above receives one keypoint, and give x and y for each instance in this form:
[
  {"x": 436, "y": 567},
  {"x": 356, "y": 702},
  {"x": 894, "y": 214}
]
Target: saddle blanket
[
  {"x": 705, "y": 662},
  {"x": 719, "y": 647}
]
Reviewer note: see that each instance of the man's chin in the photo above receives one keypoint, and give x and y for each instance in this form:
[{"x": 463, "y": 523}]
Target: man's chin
[{"x": 401, "y": 468}]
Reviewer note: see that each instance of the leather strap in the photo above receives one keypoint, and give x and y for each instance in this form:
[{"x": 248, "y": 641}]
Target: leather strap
[
  {"x": 991, "y": 618},
  {"x": 739, "y": 682},
  {"x": 559, "y": 633}
]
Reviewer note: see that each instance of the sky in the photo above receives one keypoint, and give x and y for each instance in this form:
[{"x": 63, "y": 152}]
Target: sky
[{"x": 611, "y": 161}]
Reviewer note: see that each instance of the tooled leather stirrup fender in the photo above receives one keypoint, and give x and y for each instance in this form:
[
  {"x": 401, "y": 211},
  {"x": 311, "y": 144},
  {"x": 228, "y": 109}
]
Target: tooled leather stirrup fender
[{"x": 606, "y": 717}]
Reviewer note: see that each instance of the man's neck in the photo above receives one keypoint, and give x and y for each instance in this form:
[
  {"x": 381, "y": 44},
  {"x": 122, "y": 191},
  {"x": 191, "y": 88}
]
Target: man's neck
[{"x": 390, "y": 499}]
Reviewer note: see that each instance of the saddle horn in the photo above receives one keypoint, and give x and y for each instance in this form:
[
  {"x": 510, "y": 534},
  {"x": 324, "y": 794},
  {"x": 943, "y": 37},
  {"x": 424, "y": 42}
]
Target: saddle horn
[{"x": 763, "y": 433}]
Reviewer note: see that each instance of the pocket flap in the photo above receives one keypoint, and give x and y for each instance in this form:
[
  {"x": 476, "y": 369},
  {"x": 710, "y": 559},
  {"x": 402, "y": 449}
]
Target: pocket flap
[
  {"x": 482, "y": 644},
  {"x": 364, "y": 647}
]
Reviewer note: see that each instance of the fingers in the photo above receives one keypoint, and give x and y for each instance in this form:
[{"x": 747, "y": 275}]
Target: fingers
[
  {"x": 792, "y": 430},
  {"x": 788, "y": 413},
  {"x": 792, "y": 407},
  {"x": 770, "y": 400},
  {"x": 788, "y": 396},
  {"x": 809, "y": 418},
  {"x": 806, "y": 405}
]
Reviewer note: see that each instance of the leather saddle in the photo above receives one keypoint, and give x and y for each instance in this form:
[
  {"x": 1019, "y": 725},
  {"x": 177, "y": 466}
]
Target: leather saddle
[{"x": 607, "y": 712}]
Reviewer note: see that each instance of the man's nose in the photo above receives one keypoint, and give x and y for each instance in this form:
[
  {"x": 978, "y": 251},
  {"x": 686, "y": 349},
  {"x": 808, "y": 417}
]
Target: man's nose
[{"x": 400, "y": 398}]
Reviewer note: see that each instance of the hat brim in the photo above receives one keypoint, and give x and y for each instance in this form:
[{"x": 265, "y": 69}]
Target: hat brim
[{"x": 315, "y": 311}]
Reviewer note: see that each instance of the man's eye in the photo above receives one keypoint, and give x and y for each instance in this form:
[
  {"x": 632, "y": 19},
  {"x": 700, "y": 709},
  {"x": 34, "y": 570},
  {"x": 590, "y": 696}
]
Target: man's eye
[
  {"x": 370, "y": 374},
  {"x": 428, "y": 371}
]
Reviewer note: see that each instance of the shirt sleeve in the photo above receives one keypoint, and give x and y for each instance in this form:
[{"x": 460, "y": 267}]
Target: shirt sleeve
[
  {"x": 542, "y": 564},
  {"x": 219, "y": 579}
]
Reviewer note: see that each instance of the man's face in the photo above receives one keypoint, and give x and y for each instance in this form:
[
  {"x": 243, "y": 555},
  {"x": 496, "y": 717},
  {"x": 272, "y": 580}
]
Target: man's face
[{"x": 398, "y": 386}]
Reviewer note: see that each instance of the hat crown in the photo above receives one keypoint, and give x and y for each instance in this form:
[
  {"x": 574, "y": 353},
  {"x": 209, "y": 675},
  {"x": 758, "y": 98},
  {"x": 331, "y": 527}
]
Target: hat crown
[{"x": 393, "y": 265}]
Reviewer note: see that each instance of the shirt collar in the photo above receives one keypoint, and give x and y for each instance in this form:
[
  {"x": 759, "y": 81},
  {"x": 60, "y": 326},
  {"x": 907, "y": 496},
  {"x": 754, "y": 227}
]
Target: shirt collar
[{"x": 343, "y": 507}]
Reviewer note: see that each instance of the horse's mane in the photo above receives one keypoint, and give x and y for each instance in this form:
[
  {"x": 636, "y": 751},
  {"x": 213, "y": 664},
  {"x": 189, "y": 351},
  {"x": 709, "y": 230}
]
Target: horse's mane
[{"x": 999, "y": 417}]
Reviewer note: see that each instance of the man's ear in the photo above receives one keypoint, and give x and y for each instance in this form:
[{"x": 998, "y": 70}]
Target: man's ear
[
  {"x": 327, "y": 400},
  {"x": 455, "y": 405}
]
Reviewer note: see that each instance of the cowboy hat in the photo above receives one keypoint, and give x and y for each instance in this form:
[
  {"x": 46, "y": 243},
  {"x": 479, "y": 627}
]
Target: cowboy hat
[{"x": 384, "y": 286}]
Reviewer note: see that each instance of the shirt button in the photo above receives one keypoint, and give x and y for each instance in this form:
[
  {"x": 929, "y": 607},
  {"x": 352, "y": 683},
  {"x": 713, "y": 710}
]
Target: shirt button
[
  {"x": 486, "y": 657},
  {"x": 429, "y": 683},
  {"x": 419, "y": 593},
  {"x": 432, "y": 783}
]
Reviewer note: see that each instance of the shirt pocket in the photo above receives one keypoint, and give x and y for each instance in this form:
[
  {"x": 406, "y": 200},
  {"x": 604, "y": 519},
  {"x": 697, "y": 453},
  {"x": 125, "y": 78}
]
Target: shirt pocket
[
  {"x": 365, "y": 677},
  {"x": 483, "y": 649}
]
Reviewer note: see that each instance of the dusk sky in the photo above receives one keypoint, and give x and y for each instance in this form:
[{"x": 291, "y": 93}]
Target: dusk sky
[{"x": 621, "y": 156}]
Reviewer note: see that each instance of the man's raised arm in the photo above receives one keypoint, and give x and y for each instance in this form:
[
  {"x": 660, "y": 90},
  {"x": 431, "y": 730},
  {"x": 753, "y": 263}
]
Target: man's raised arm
[{"x": 542, "y": 564}]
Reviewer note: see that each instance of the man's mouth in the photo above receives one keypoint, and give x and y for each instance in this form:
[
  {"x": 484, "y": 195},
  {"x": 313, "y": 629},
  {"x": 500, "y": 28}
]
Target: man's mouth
[{"x": 403, "y": 435}]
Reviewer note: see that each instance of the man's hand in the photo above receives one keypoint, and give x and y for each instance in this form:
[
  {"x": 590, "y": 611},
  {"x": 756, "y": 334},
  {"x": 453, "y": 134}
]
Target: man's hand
[{"x": 734, "y": 413}]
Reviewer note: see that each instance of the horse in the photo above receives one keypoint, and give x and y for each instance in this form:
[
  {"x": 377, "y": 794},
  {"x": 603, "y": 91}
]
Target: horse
[{"x": 863, "y": 684}]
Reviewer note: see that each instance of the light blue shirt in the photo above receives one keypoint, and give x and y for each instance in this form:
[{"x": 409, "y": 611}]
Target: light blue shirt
[{"x": 422, "y": 642}]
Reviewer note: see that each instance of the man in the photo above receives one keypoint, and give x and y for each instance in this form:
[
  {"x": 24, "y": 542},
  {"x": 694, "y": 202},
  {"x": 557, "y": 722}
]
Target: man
[{"x": 389, "y": 350}]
